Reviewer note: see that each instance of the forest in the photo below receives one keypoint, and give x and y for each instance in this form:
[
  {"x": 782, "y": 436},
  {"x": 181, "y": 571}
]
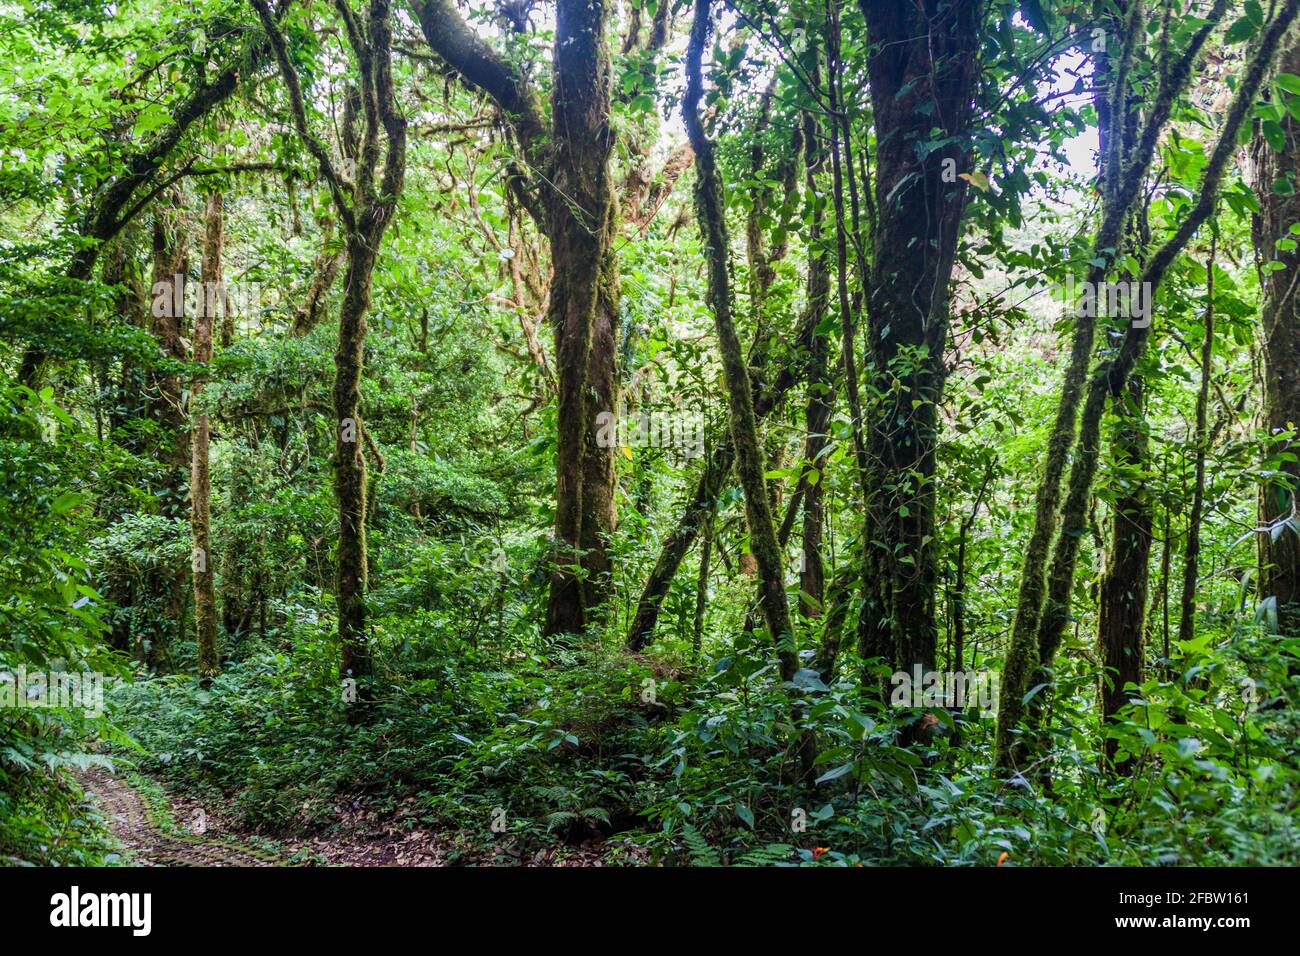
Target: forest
[{"x": 649, "y": 433}]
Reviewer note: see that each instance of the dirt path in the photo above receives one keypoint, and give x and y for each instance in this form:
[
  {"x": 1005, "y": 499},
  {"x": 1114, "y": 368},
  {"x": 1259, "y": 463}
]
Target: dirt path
[
  {"x": 128, "y": 820},
  {"x": 360, "y": 839},
  {"x": 367, "y": 842}
]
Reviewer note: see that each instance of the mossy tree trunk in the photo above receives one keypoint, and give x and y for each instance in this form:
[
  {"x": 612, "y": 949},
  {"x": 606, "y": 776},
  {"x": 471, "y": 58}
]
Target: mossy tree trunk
[
  {"x": 580, "y": 224},
  {"x": 204, "y": 562},
  {"x": 744, "y": 422},
  {"x": 570, "y": 197},
  {"x": 1022, "y": 666},
  {"x": 1279, "y": 545},
  {"x": 365, "y": 206},
  {"x": 922, "y": 72},
  {"x": 1032, "y": 667},
  {"x": 820, "y": 387},
  {"x": 1123, "y": 593},
  {"x": 170, "y": 264}
]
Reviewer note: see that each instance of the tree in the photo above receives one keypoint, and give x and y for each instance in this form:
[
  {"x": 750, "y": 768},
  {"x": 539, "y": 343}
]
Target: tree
[
  {"x": 921, "y": 54},
  {"x": 571, "y": 197},
  {"x": 365, "y": 215},
  {"x": 1277, "y": 160},
  {"x": 204, "y": 562},
  {"x": 744, "y": 423},
  {"x": 1109, "y": 379}
]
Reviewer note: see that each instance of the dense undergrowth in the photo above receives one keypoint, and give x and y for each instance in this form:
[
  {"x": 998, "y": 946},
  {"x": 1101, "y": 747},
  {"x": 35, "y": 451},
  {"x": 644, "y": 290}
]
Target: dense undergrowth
[
  {"x": 681, "y": 763},
  {"x": 50, "y": 621}
]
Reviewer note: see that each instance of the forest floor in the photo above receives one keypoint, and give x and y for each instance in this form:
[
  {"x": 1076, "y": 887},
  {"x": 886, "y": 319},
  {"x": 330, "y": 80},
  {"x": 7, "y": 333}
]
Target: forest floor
[{"x": 166, "y": 829}]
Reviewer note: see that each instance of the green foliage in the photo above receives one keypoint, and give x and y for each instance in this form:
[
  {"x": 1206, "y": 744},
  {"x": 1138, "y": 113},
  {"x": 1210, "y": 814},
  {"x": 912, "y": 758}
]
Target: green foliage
[{"x": 50, "y": 623}]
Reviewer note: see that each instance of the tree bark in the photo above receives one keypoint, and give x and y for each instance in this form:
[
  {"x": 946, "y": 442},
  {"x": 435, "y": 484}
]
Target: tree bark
[
  {"x": 168, "y": 409},
  {"x": 922, "y": 74},
  {"x": 1123, "y": 593},
  {"x": 580, "y": 224},
  {"x": 350, "y": 460},
  {"x": 204, "y": 562},
  {"x": 1279, "y": 540},
  {"x": 374, "y": 195},
  {"x": 744, "y": 423}
]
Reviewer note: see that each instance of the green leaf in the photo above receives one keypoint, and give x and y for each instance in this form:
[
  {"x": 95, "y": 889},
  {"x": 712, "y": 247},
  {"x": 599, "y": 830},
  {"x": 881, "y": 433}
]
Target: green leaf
[
  {"x": 745, "y": 814},
  {"x": 835, "y": 774},
  {"x": 1240, "y": 31},
  {"x": 1273, "y": 135},
  {"x": 67, "y": 501}
]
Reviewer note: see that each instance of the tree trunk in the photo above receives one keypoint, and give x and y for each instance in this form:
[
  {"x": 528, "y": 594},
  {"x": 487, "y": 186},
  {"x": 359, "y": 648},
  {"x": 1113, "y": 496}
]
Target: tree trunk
[
  {"x": 1279, "y": 545},
  {"x": 702, "y": 586},
  {"x": 821, "y": 394},
  {"x": 576, "y": 212},
  {"x": 365, "y": 217},
  {"x": 677, "y": 544},
  {"x": 744, "y": 423},
  {"x": 311, "y": 310},
  {"x": 599, "y": 479},
  {"x": 167, "y": 408},
  {"x": 1031, "y": 666},
  {"x": 1123, "y": 593},
  {"x": 922, "y": 75},
  {"x": 580, "y": 220},
  {"x": 1191, "y": 557},
  {"x": 350, "y": 459},
  {"x": 1023, "y": 656},
  {"x": 204, "y": 562}
]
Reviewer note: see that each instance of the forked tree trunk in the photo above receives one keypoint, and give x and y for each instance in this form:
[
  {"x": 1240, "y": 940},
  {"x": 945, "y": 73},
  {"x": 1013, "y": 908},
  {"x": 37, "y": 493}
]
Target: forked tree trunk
[
  {"x": 576, "y": 212},
  {"x": 1022, "y": 659},
  {"x": 365, "y": 216},
  {"x": 1031, "y": 666}
]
